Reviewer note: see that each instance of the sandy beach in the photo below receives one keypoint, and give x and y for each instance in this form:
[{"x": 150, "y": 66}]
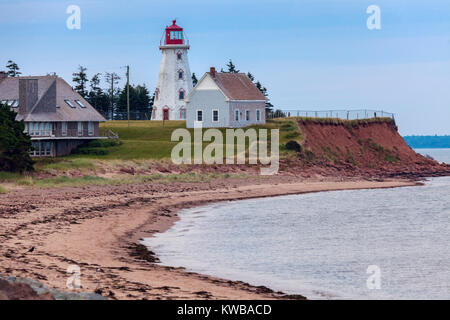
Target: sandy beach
[{"x": 99, "y": 228}]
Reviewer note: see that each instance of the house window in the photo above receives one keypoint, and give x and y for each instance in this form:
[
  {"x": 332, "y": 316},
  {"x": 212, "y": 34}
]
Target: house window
[
  {"x": 64, "y": 128},
  {"x": 48, "y": 148},
  {"x": 199, "y": 115},
  {"x": 181, "y": 94},
  {"x": 81, "y": 104},
  {"x": 258, "y": 115},
  {"x": 47, "y": 128},
  {"x": 90, "y": 128},
  {"x": 80, "y": 128},
  {"x": 236, "y": 115},
  {"x": 247, "y": 115},
  {"x": 180, "y": 75},
  {"x": 182, "y": 113},
  {"x": 215, "y": 115},
  {"x": 69, "y": 103}
]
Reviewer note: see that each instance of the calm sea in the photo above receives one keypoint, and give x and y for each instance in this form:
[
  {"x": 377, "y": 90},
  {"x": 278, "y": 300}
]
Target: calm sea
[
  {"x": 322, "y": 244},
  {"x": 441, "y": 155}
]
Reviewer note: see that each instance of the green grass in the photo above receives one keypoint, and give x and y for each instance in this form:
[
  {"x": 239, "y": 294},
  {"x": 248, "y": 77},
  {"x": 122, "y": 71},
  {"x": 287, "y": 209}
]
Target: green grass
[
  {"x": 64, "y": 165},
  {"x": 16, "y": 178},
  {"x": 65, "y": 181},
  {"x": 151, "y": 140}
]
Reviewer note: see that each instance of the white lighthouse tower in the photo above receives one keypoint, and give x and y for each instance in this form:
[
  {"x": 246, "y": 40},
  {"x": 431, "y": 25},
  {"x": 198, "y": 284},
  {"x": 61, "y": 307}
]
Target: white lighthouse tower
[{"x": 174, "y": 80}]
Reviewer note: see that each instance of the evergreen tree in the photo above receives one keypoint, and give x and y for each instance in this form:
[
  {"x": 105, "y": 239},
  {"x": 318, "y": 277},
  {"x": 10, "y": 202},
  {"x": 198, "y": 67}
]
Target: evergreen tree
[
  {"x": 194, "y": 79},
  {"x": 13, "y": 69},
  {"x": 231, "y": 67},
  {"x": 113, "y": 92},
  {"x": 80, "y": 78},
  {"x": 250, "y": 76},
  {"x": 14, "y": 143},
  {"x": 97, "y": 97},
  {"x": 140, "y": 102}
]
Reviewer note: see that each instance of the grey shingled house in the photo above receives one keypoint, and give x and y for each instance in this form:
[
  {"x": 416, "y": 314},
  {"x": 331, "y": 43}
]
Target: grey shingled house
[{"x": 56, "y": 117}]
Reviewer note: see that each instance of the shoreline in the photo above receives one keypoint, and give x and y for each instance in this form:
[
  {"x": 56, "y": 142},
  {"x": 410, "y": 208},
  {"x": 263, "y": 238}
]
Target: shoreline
[{"x": 99, "y": 229}]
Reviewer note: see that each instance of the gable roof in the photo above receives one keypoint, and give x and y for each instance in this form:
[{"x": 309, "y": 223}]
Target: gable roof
[
  {"x": 237, "y": 86},
  {"x": 9, "y": 90}
]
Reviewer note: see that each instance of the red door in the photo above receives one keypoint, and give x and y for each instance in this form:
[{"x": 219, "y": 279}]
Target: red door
[{"x": 166, "y": 114}]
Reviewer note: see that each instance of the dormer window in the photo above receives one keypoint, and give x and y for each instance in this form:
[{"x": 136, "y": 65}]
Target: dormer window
[
  {"x": 70, "y": 104},
  {"x": 81, "y": 104},
  {"x": 181, "y": 94},
  {"x": 12, "y": 103}
]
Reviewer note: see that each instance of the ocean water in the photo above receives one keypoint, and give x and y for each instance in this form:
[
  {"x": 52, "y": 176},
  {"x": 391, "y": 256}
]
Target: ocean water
[
  {"x": 323, "y": 245},
  {"x": 441, "y": 155}
]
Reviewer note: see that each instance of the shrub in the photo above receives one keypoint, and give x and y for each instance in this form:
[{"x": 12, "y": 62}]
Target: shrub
[
  {"x": 14, "y": 143},
  {"x": 294, "y": 146}
]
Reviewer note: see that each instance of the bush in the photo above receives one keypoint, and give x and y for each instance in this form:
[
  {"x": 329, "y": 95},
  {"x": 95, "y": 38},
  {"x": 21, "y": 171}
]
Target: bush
[
  {"x": 103, "y": 143},
  {"x": 14, "y": 143},
  {"x": 294, "y": 146},
  {"x": 89, "y": 150}
]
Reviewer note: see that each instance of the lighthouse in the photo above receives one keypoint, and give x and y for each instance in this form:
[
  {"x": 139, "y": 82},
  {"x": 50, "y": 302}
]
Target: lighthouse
[{"x": 174, "y": 80}]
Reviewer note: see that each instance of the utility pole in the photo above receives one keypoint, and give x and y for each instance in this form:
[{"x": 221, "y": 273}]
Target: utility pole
[{"x": 128, "y": 94}]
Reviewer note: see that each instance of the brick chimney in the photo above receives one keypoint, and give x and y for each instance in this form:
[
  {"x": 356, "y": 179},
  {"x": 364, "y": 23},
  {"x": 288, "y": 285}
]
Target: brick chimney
[
  {"x": 212, "y": 72},
  {"x": 28, "y": 94},
  {"x": 3, "y": 75}
]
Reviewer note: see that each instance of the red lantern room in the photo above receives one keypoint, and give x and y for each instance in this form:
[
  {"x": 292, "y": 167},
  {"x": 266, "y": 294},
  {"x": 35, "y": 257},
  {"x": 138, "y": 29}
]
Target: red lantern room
[{"x": 174, "y": 34}]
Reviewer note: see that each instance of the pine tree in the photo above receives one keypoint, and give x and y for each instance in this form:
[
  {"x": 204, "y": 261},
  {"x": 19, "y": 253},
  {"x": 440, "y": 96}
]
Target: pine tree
[
  {"x": 97, "y": 97},
  {"x": 250, "y": 76},
  {"x": 14, "y": 143},
  {"x": 80, "y": 78},
  {"x": 13, "y": 69},
  {"x": 194, "y": 79},
  {"x": 231, "y": 67}
]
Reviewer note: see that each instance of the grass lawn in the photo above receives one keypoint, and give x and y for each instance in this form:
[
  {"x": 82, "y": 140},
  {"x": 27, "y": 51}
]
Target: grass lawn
[{"x": 151, "y": 140}]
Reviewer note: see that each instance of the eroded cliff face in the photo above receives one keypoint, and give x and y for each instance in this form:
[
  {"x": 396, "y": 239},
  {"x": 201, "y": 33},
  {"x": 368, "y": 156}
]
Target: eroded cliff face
[{"x": 373, "y": 147}]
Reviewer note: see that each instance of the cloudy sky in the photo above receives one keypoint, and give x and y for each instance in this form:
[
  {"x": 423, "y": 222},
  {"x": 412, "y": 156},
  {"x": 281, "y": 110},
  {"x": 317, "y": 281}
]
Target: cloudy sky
[{"x": 310, "y": 54}]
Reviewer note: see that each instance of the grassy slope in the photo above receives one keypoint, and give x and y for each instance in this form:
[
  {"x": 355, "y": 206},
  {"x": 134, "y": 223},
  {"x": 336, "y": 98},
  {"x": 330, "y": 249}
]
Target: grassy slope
[
  {"x": 150, "y": 140},
  {"x": 141, "y": 142}
]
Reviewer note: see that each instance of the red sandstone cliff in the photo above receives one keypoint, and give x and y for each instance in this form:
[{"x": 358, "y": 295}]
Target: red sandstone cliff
[{"x": 367, "y": 148}]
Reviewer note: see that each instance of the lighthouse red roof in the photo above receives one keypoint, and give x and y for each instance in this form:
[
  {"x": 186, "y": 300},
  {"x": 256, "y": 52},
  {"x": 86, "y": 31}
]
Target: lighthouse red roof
[
  {"x": 174, "y": 34},
  {"x": 174, "y": 26}
]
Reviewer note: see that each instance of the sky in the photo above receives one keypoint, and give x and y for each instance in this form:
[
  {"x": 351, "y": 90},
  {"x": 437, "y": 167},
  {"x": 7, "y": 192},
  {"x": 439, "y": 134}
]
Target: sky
[{"x": 310, "y": 54}]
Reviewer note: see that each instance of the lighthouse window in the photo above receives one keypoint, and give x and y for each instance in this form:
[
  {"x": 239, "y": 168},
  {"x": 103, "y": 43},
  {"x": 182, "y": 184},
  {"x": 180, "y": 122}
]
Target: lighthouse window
[
  {"x": 179, "y": 55},
  {"x": 176, "y": 35},
  {"x": 180, "y": 75},
  {"x": 157, "y": 94},
  {"x": 181, "y": 94}
]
